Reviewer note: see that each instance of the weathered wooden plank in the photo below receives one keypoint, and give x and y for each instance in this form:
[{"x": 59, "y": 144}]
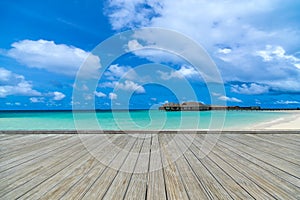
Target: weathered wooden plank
[
  {"x": 266, "y": 180},
  {"x": 174, "y": 186},
  {"x": 62, "y": 181},
  {"x": 156, "y": 183},
  {"x": 10, "y": 137},
  {"x": 138, "y": 184},
  {"x": 47, "y": 169},
  {"x": 284, "y": 165},
  {"x": 36, "y": 157},
  {"x": 30, "y": 153},
  {"x": 293, "y": 138},
  {"x": 83, "y": 185},
  {"x": 164, "y": 166},
  {"x": 16, "y": 172},
  {"x": 33, "y": 144},
  {"x": 232, "y": 187},
  {"x": 271, "y": 167},
  {"x": 118, "y": 187},
  {"x": 273, "y": 140},
  {"x": 193, "y": 186},
  {"x": 103, "y": 183},
  {"x": 211, "y": 186},
  {"x": 274, "y": 150},
  {"x": 69, "y": 180}
]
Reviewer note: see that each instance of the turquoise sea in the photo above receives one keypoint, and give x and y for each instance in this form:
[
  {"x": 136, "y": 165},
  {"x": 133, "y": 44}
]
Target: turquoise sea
[{"x": 133, "y": 120}]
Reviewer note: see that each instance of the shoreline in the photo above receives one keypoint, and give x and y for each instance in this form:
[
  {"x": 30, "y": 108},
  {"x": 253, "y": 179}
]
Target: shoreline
[
  {"x": 289, "y": 122},
  {"x": 87, "y": 132}
]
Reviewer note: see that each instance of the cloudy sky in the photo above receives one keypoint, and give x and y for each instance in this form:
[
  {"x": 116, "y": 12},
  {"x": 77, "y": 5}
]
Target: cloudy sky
[{"x": 255, "y": 45}]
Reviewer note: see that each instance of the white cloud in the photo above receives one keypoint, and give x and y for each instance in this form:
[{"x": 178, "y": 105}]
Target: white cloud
[
  {"x": 210, "y": 22},
  {"x": 99, "y": 94},
  {"x": 231, "y": 99},
  {"x": 231, "y": 31},
  {"x": 15, "y": 84},
  {"x": 183, "y": 72},
  {"x": 134, "y": 45},
  {"x": 225, "y": 98},
  {"x": 112, "y": 96},
  {"x": 285, "y": 85},
  {"x": 252, "y": 88},
  {"x": 108, "y": 84},
  {"x": 257, "y": 101},
  {"x": 58, "y": 96},
  {"x": 114, "y": 72},
  {"x": 13, "y": 104},
  {"x": 278, "y": 53},
  {"x": 286, "y": 102},
  {"x": 87, "y": 96},
  {"x": 72, "y": 103},
  {"x": 130, "y": 86},
  {"x": 5, "y": 75},
  {"x": 37, "y": 99},
  {"x": 224, "y": 50},
  {"x": 58, "y": 58},
  {"x": 151, "y": 52},
  {"x": 132, "y": 13}
]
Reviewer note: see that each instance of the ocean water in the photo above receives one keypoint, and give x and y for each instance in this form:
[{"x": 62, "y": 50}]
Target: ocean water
[{"x": 134, "y": 120}]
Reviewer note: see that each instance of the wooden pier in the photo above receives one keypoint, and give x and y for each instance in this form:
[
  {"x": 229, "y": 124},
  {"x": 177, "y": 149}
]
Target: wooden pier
[{"x": 150, "y": 166}]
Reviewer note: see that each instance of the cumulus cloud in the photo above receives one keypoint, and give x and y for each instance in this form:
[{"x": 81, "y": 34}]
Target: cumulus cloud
[
  {"x": 286, "y": 102},
  {"x": 288, "y": 85},
  {"x": 277, "y": 53},
  {"x": 112, "y": 96},
  {"x": 108, "y": 84},
  {"x": 230, "y": 99},
  {"x": 114, "y": 72},
  {"x": 226, "y": 98},
  {"x": 57, "y": 58},
  {"x": 252, "y": 88},
  {"x": 15, "y": 84},
  {"x": 151, "y": 51},
  {"x": 209, "y": 22},
  {"x": 127, "y": 85},
  {"x": 130, "y": 86},
  {"x": 130, "y": 14},
  {"x": 232, "y": 32},
  {"x": 87, "y": 97},
  {"x": 183, "y": 72},
  {"x": 37, "y": 99},
  {"x": 58, "y": 96},
  {"x": 99, "y": 94},
  {"x": 13, "y": 104},
  {"x": 224, "y": 50}
]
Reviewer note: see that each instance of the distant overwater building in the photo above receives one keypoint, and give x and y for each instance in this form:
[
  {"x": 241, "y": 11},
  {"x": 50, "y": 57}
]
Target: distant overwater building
[{"x": 197, "y": 106}]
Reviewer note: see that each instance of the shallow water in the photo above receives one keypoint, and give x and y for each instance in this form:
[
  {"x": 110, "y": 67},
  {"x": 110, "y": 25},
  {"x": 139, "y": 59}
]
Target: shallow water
[{"x": 133, "y": 120}]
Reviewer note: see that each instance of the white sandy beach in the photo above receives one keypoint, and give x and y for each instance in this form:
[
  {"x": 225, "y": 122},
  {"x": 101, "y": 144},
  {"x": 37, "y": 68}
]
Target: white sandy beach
[{"x": 289, "y": 122}]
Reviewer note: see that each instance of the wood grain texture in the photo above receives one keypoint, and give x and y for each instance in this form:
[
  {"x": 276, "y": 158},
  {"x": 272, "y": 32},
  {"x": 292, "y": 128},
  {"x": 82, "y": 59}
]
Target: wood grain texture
[{"x": 150, "y": 166}]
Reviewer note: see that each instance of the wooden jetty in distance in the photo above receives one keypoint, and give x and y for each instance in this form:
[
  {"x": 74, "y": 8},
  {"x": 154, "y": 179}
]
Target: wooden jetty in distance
[{"x": 197, "y": 106}]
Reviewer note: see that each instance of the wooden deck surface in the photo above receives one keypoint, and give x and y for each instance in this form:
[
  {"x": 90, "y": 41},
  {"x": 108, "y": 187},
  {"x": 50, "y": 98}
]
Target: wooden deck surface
[{"x": 150, "y": 166}]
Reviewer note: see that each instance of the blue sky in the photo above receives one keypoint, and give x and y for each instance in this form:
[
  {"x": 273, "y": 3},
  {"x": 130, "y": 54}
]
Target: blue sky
[{"x": 254, "y": 44}]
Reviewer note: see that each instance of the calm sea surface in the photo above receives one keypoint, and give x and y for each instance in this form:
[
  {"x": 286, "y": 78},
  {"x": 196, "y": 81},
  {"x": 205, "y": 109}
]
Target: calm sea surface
[{"x": 133, "y": 120}]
